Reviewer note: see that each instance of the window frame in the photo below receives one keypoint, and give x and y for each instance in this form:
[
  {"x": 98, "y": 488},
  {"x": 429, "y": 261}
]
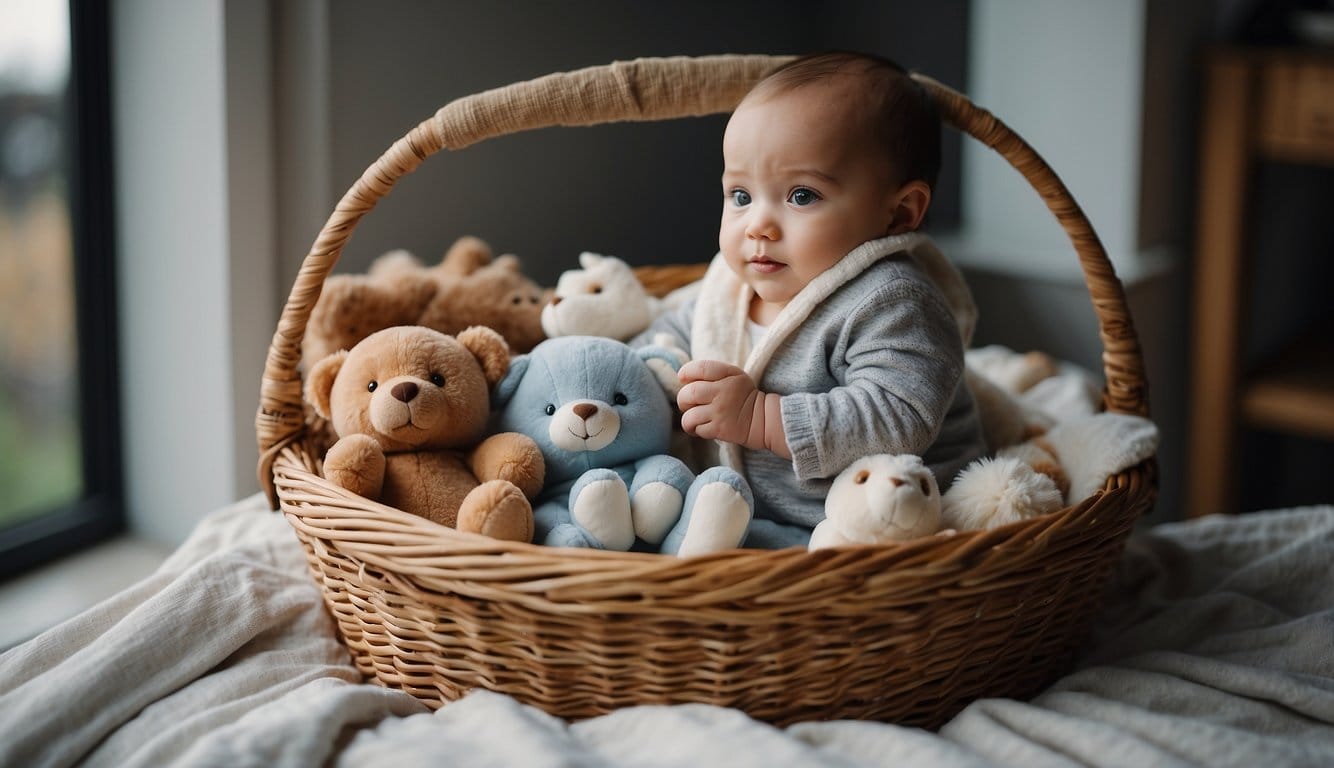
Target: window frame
[{"x": 99, "y": 512}]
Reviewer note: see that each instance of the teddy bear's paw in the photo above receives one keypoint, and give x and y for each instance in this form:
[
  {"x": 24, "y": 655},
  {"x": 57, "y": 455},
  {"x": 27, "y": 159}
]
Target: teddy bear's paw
[
  {"x": 570, "y": 535},
  {"x": 600, "y": 506},
  {"x": 717, "y": 511},
  {"x": 655, "y": 508},
  {"x": 497, "y": 509},
  {"x": 356, "y": 463}
]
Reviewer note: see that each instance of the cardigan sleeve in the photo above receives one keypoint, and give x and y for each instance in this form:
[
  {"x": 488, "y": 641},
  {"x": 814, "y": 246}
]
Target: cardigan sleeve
[{"x": 898, "y": 360}]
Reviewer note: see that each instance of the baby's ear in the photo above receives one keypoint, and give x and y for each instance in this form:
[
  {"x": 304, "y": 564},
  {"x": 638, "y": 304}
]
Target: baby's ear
[
  {"x": 320, "y": 381},
  {"x": 665, "y": 363},
  {"x": 500, "y": 396}
]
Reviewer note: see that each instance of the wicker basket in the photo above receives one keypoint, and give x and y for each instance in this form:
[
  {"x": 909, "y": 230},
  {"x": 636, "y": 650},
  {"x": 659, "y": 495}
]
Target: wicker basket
[{"x": 904, "y": 632}]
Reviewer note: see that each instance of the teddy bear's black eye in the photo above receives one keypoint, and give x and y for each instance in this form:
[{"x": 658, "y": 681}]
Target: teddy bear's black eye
[
  {"x": 549, "y": 410},
  {"x": 437, "y": 380},
  {"x": 371, "y": 387},
  {"x": 620, "y": 399}
]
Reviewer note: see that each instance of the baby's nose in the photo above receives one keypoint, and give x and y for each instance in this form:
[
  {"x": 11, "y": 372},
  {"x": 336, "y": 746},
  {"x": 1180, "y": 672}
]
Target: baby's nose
[{"x": 584, "y": 410}]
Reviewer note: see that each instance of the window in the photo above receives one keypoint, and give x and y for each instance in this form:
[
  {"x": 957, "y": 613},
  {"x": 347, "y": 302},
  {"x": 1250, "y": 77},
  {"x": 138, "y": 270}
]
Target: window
[{"x": 60, "y": 486}]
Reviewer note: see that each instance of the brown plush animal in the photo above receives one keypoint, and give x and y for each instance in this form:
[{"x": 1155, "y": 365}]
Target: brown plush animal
[
  {"x": 468, "y": 287},
  {"x": 409, "y": 405}
]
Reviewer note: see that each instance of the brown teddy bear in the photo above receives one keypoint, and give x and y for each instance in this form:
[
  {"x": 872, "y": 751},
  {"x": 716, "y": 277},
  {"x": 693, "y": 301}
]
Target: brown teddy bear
[
  {"x": 409, "y": 405},
  {"x": 468, "y": 287}
]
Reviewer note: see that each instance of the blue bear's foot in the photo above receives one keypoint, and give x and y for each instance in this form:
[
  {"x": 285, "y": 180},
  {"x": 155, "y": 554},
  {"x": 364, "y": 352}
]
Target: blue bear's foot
[
  {"x": 717, "y": 511},
  {"x": 657, "y": 496},
  {"x": 600, "y": 509}
]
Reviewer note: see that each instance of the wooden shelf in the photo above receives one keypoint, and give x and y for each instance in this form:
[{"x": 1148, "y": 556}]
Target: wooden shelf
[
  {"x": 1259, "y": 104},
  {"x": 1295, "y": 392}
]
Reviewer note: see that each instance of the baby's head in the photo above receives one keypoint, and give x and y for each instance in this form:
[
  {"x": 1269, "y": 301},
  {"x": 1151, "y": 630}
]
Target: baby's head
[{"x": 824, "y": 154}]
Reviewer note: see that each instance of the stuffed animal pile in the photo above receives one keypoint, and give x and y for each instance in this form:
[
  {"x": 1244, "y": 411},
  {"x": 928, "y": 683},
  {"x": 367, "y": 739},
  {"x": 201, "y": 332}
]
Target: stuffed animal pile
[
  {"x": 1069, "y": 452},
  {"x": 468, "y": 287}
]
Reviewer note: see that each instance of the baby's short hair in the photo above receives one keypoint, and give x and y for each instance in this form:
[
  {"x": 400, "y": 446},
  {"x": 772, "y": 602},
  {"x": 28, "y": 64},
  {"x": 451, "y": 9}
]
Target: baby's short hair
[{"x": 902, "y": 116}]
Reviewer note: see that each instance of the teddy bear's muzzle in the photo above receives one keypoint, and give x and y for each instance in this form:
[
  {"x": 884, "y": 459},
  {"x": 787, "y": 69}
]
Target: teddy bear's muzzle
[{"x": 584, "y": 425}]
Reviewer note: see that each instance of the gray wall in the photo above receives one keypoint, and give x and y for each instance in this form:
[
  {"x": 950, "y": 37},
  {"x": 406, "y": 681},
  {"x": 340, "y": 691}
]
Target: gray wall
[{"x": 646, "y": 192}]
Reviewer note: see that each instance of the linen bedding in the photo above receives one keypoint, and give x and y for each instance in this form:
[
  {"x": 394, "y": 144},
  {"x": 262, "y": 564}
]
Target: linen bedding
[{"x": 1216, "y": 648}]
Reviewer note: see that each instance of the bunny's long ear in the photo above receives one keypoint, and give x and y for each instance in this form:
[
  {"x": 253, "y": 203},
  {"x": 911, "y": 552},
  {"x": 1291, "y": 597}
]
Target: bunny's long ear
[
  {"x": 500, "y": 396},
  {"x": 588, "y": 259}
]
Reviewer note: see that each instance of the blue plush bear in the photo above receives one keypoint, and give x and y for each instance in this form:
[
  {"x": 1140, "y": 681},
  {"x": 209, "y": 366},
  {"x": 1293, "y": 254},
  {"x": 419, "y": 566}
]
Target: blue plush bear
[{"x": 601, "y": 413}]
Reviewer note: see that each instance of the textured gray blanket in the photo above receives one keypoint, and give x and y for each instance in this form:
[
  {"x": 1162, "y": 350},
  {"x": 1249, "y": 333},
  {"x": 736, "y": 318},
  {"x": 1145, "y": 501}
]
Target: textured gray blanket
[{"x": 1216, "y": 649}]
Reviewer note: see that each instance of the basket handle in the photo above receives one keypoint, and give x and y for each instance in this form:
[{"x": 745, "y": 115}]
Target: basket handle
[{"x": 644, "y": 90}]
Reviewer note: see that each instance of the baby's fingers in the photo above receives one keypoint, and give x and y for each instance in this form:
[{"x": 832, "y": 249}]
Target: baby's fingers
[
  {"x": 707, "y": 370},
  {"x": 696, "y": 421},
  {"x": 695, "y": 393}
]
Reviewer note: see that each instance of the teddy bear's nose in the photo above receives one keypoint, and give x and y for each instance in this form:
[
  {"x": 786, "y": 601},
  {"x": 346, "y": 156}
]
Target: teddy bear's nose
[
  {"x": 404, "y": 390},
  {"x": 897, "y": 481},
  {"x": 584, "y": 410}
]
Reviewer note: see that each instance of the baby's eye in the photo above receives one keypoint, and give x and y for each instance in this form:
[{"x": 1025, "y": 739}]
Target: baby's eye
[
  {"x": 620, "y": 399},
  {"x": 740, "y": 198},
  {"x": 550, "y": 410},
  {"x": 801, "y": 196}
]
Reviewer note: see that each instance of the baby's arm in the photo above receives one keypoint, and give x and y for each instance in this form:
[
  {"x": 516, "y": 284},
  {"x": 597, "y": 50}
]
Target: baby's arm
[
  {"x": 675, "y": 322},
  {"x": 719, "y": 401}
]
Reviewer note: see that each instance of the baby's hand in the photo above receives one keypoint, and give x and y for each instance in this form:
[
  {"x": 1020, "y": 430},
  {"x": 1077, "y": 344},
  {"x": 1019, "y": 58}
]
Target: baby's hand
[{"x": 717, "y": 401}]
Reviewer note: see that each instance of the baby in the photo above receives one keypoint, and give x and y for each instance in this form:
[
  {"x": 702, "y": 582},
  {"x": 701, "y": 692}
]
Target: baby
[{"x": 818, "y": 336}]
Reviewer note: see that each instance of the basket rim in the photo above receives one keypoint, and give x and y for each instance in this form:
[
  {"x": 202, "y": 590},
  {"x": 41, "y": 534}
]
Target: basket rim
[{"x": 401, "y": 527}]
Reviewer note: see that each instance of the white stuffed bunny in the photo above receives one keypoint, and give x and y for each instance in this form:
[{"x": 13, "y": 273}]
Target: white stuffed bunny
[
  {"x": 880, "y": 498},
  {"x": 604, "y": 298}
]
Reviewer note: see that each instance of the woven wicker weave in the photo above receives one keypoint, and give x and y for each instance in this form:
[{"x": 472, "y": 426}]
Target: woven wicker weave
[{"x": 905, "y": 632}]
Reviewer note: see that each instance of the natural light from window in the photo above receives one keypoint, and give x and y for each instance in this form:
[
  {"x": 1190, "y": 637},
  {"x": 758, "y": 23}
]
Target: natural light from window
[{"x": 39, "y": 420}]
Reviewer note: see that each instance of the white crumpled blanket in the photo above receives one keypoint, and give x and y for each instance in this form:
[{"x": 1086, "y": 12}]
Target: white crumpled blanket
[{"x": 1217, "y": 648}]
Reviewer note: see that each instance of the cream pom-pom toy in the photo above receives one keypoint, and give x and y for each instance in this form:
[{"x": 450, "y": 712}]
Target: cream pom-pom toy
[
  {"x": 880, "y": 498},
  {"x": 992, "y": 492}
]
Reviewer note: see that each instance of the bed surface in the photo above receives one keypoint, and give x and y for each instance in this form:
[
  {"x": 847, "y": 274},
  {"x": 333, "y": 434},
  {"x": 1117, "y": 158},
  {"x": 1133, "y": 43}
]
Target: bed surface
[{"x": 1216, "y": 648}]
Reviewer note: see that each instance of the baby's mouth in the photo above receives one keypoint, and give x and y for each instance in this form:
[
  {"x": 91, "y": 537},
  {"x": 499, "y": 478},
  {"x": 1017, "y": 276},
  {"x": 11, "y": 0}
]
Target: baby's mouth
[{"x": 763, "y": 264}]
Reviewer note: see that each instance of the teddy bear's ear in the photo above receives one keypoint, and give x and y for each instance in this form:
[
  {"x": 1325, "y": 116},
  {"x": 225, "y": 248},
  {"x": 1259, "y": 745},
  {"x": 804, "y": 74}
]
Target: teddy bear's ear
[
  {"x": 393, "y": 263},
  {"x": 508, "y": 262},
  {"x": 465, "y": 256},
  {"x": 320, "y": 381},
  {"x": 588, "y": 259},
  {"x": 501, "y": 395},
  {"x": 490, "y": 350}
]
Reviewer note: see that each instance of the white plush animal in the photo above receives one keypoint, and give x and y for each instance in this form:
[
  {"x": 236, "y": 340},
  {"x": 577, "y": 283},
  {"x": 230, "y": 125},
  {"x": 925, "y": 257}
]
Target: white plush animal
[
  {"x": 880, "y": 498},
  {"x": 604, "y": 298},
  {"x": 992, "y": 492}
]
